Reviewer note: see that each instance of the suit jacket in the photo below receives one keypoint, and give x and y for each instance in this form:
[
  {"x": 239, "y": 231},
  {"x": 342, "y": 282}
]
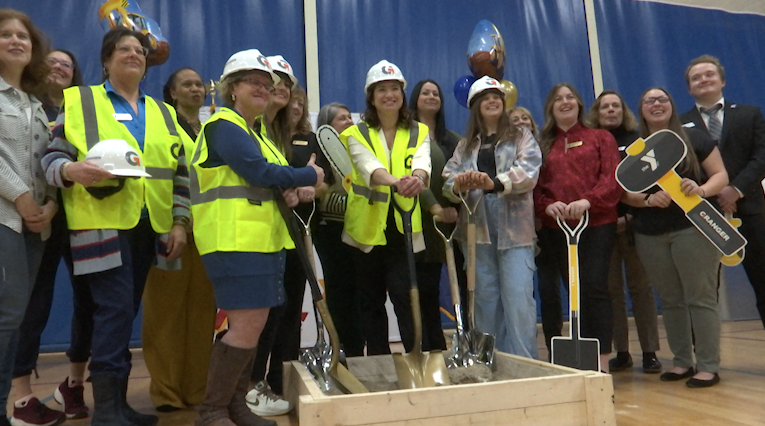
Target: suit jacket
[{"x": 742, "y": 146}]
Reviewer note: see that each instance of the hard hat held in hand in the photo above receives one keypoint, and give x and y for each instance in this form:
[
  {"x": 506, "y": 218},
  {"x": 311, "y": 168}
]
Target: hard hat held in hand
[
  {"x": 482, "y": 84},
  {"x": 383, "y": 71},
  {"x": 248, "y": 60},
  {"x": 117, "y": 157},
  {"x": 279, "y": 64}
]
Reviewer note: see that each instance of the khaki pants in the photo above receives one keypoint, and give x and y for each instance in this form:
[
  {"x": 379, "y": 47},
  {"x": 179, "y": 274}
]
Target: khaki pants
[{"x": 178, "y": 323}]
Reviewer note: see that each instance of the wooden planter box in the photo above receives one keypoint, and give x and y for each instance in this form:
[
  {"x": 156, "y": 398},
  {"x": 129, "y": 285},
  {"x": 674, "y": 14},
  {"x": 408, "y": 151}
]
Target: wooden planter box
[{"x": 529, "y": 393}]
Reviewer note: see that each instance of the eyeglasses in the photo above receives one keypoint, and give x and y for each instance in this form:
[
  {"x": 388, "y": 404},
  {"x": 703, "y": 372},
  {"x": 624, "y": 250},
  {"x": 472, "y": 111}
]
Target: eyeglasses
[
  {"x": 64, "y": 64},
  {"x": 651, "y": 101},
  {"x": 257, "y": 84},
  {"x": 126, "y": 50}
]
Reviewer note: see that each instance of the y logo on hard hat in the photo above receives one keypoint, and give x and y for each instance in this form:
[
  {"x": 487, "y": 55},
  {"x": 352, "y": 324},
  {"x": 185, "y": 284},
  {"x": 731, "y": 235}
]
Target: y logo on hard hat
[
  {"x": 283, "y": 64},
  {"x": 388, "y": 70},
  {"x": 263, "y": 61}
]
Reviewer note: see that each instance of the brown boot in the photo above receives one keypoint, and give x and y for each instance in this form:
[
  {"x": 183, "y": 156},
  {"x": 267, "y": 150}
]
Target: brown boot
[
  {"x": 238, "y": 410},
  {"x": 227, "y": 365}
]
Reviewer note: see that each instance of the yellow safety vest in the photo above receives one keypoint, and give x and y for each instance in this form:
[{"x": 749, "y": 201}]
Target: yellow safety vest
[
  {"x": 230, "y": 214},
  {"x": 366, "y": 214},
  {"x": 90, "y": 119}
]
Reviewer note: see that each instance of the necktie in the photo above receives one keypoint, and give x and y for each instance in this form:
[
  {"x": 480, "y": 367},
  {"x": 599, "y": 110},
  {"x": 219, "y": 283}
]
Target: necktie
[{"x": 713, "y": 125}]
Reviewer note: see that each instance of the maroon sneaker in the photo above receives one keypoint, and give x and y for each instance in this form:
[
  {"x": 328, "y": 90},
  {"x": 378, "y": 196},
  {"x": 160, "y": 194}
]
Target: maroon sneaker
[
  {"x": 72, "y": 400},
  {"x": 35, "y": 413}
]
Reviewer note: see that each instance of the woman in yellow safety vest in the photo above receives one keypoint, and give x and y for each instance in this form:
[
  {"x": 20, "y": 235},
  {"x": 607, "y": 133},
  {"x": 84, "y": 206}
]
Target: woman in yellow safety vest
[
  {"x": 118, "y": 155},
  {"x": 235, "y": 171},
  {"x": 388, "y": 148}
]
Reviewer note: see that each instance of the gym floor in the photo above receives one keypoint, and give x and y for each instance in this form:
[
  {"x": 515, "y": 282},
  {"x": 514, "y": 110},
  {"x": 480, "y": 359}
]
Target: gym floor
[{"x": 640, "y": 398}]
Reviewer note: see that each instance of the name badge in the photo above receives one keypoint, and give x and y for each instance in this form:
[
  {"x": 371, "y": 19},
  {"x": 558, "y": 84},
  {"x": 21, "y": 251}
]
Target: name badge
[
  {"x": 300, "y": 143},
  {"x": 574, "y": 144},
  {"x": 122, "y": 116}
]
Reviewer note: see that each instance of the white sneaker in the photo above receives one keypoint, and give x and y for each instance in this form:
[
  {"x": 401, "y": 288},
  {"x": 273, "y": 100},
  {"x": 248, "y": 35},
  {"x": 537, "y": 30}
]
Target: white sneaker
[{"x": 264, "y": 402}]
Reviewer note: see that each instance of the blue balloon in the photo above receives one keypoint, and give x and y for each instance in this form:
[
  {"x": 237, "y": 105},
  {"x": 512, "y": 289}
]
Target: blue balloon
[
  {"x": 486, "y": 51},
  {"x": 462, "y": 88}
]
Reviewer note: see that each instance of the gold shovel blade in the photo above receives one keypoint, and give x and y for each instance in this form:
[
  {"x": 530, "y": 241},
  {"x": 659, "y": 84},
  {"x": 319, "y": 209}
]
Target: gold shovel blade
[{"x": 418, "y": 369}]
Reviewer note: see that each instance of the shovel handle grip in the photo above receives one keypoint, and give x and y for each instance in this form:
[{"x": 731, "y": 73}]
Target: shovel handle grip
[
  {"x": 451, "y": 269},
  {"x": 308, "y": 242}
]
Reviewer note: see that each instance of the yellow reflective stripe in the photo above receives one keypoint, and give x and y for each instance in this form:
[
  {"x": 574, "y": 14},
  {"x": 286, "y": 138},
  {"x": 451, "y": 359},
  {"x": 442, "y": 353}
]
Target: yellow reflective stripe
[
  {"x": 89, "y": 117},
  {"x": 169, "y": 122},
  {"x": 161, "y": 173},
  {"x": 367, "y": 193}
]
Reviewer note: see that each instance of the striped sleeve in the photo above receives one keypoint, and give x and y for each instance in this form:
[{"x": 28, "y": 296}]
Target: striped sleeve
[
  {"x": 59, "y": 151},
  {"x": 181, "y": 199}
]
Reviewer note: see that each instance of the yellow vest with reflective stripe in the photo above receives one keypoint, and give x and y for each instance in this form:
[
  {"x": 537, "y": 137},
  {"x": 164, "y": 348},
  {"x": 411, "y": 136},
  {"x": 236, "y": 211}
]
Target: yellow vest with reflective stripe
[
  {"x": 89, "y": 119},
  {"x": 366, "y": 214},
  {"x": 230, "y": 214}
]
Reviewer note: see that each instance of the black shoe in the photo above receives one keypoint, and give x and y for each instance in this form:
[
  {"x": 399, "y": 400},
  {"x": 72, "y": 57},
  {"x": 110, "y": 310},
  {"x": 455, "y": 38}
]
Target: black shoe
[
  {"x": 651, "y": 364},
  {"x": 697, "y": 383},
  {"x": 622, "y": 361},
  {"x": 673, "y": 377}
]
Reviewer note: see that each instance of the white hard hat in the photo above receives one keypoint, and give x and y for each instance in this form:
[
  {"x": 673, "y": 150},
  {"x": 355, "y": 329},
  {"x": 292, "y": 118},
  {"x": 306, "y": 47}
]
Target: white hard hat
[
  {"x": 383, "y": 71},
  {"x": 247, "y": 60},
  {"x": 279, "y": 64},
  {"x": 117, "y": 157},
  {"x": 482, "y": 84}
]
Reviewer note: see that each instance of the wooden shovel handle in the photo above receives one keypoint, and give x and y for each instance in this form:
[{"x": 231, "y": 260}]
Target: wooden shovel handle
[{"x": 451, "y": 269}]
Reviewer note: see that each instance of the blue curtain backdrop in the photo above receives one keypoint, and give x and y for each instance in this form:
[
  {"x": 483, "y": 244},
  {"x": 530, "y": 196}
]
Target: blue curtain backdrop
[
  {"x": 546, "y": 43},
  {"x": 641, "y": 43}
]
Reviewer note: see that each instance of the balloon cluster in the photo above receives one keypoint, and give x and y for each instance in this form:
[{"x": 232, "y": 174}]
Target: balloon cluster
[
  {"x": 485, "y": 56},
  {"x": 115, "y": 13}
]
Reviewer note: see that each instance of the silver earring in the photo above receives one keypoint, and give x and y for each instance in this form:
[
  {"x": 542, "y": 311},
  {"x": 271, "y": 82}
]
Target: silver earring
[{"x": 233, "y": 97}]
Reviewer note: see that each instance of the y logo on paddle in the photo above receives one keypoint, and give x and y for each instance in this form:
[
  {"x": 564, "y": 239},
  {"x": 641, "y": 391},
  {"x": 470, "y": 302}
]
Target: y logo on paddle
[{"x": 650, "y": 158}]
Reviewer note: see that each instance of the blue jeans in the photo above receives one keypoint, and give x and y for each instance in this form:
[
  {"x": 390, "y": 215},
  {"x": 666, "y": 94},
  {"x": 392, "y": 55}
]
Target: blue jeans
[
  {"x": 504, "y": 294},
  {"x": 20, "y": 256}
]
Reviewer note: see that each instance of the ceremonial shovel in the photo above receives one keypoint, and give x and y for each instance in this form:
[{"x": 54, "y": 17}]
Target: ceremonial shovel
[{"x": 575, "y": 351}]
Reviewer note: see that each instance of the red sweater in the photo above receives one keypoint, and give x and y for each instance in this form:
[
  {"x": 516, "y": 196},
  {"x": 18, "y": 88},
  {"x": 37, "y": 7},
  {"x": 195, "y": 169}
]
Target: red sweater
[{"x": 583, "y": 171}]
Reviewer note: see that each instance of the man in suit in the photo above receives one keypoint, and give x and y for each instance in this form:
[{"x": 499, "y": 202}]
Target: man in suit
[{"x": 740, "y": 134}]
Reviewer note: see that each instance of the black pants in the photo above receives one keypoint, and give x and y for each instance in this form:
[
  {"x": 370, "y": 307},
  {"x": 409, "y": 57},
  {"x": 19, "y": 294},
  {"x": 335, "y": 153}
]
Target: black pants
[
  {"x": 280, "y": 339},
  {"x": 41, "y": 300},
  {"x": 429, "y": 281},
  {"x": 595, "y": 247},
  {"x": 385, "y": 269},
  {"x": 753, "y": 229},
  {"x": 340, "y": 286}
]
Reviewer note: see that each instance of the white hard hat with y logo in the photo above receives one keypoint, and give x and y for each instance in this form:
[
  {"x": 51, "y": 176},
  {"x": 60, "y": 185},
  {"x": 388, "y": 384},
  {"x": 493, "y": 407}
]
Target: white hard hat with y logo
[
  {"x": 384, "y": 71},
  {"x": 117, "y": 157}
]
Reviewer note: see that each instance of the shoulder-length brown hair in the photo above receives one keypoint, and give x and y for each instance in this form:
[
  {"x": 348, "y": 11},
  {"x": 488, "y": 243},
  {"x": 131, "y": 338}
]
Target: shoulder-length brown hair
[
  {"x": 109, "y": 44},
  {"x": 34, "y": 78},
  {"x": 549, "y": 129},
  {"x": 628, "y": 118},
  {"x": 303, "y": 126},
  {"x": 690, "y": 164},
  {"x": 476, "y": 129},
  {"x": 370, "y": 116}
]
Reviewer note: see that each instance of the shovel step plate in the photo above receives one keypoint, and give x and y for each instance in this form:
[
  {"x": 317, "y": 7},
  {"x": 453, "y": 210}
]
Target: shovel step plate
[{"x": 581, "y": 353}]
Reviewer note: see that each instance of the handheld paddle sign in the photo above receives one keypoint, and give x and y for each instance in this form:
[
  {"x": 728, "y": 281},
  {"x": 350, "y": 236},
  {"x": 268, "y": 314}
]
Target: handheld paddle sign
[
  {"x": 652, "y": 162},
  {"x": 575, "y": 351},
  {"x": 334, "y": 150}
]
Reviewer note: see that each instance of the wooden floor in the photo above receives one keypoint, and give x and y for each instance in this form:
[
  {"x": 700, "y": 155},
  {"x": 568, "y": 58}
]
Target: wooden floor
[{"x": 641, "y": 399}]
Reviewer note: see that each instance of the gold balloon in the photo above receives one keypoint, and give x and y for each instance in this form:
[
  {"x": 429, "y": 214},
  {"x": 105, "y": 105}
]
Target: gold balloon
[{"x": 512, "y": 93}]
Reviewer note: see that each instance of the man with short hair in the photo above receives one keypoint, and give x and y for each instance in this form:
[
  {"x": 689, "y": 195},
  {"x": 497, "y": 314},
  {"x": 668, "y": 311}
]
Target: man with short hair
[{"x": 740, "y": 134}]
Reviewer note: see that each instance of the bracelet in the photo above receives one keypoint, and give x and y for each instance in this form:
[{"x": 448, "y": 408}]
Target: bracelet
[
  {"x": 64, "y": 174},
  {"x": 181, "y": 220},
  {"x": 420, "y": 177}
]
